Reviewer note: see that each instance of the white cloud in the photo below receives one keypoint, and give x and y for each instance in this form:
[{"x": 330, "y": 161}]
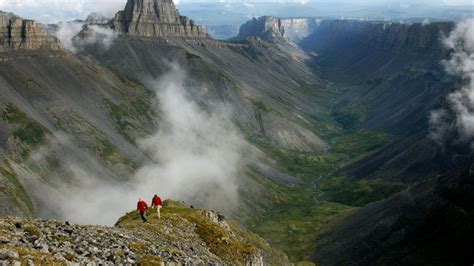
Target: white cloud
[
  {"x": 66, "y": 32},
  {"x": 196, "y": 156},
  {"x": 249, "y": 5},
  {"x": 461, "y": 64},
  {"x": 458, "y": 2},
  {"x": 52, "y": 11},
  {"x": 104, "y": 37},
  {"x": 94, "y": 35}
]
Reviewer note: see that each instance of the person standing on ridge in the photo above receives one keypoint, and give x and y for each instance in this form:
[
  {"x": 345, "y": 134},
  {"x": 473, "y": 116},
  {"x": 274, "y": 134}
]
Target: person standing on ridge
[
  {"x": 156, "y": 202},
  {"x": 142, "y": 207}
]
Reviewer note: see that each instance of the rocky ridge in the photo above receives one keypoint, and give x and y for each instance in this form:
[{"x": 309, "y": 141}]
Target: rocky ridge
[
  {"x": 155, "y": 18},
  {"x": 22, "y": 34},
  {"x": 96, "y": 18},
  {"x": 183, "y": 235}
]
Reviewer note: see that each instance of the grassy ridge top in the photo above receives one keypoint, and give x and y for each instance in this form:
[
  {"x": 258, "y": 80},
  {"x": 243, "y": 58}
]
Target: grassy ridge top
[{"x": 182, "y": 235}]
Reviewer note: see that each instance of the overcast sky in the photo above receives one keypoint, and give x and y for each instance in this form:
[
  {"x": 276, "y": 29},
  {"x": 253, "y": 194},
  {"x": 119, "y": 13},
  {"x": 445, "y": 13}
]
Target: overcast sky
[{"x": 49, "y": 11}]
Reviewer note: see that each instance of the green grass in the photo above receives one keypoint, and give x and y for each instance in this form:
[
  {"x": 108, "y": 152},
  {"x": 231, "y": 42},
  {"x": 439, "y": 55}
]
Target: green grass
[
  {"x": 259, "y": 105},
  {"x": 27, "y": 130},
  {"x": 112, "y": 153},
  {"x": 298, "y": 214},
  {"x": 359, "y": 143},
  {"x": 231, "y": 248},
  {"x": 295, "y": 218},
  {"x": 130, "y": 117},
  {"x": 192, "y": 56},
  {"x": 355, "y": 193},
  {"x": 14, "y": 190},
  {"x": 121, "y": 118},
  {"x": 293, "y": 229}
]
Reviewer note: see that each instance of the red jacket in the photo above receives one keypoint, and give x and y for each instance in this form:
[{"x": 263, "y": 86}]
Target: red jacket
[
  {"x": 142, "y": 206},
  {"x": 156, "y": 201}
]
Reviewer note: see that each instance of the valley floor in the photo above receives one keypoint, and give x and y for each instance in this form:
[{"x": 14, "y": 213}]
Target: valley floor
[{"x": 302, "y": 212}]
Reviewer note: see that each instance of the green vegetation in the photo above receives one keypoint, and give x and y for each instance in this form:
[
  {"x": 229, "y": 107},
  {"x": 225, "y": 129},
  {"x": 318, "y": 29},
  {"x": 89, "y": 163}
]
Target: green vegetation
[
  {"x": 112, "y": 153},
  {"x": 130, "y": 118},
  {"x": 230, "y": 247},
  {"x": 121, "y": 118},
  {"x": 356, "y": 193},
  {"x": 215, "y": 236},
  {"x": 38, "y": 257},
  {"x": 14, "y": 190},
  {"x": 260, "y": 105},
  {"x": 32, "y": 230},
  {"x": 30, "y": 83},
  {"x": 27, "y": 130},
  {"x": 298, "y": 214},
  {"x": 294, "y": 229},
  {"x": 359, "y": 142},
  {"x": 192, "y": 56}
]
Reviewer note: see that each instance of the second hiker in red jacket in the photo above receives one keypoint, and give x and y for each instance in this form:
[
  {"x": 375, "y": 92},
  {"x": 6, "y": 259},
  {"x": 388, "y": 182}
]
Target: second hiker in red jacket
[
  {"x": 142, "y": 207},
  {"x": 156, "y": 202}
]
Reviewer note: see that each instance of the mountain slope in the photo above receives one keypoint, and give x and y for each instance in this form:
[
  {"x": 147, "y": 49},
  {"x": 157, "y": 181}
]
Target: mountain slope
[
  {"x": 430, "y": 223},
  {"x": 65, "y": 106},
  {"x": 289, "y": 143},
  {"x": 390, "y": 78},
  {"x": 182, "y": 235},
  {"x": 90, "y": 110}
]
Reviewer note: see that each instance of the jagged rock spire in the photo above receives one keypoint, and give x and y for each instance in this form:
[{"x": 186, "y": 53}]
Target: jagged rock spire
[{"x": 155, "y": 18}]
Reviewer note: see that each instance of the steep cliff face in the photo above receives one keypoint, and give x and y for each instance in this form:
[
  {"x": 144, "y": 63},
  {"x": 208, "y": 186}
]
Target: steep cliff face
[
  {"x": 266, "y": 28},
  {"x": 400, "y": 38},
  {"x": 21, "y": 34},
  {"x": 155, "y": 18},
  {"x": 299, "y": 28}
]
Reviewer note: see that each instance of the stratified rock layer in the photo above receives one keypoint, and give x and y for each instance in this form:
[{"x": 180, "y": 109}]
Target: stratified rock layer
[
  {"x": 266, "y": 28},
  {"x": 21, "y": 34},
  {"x": 155, "y": 18}
]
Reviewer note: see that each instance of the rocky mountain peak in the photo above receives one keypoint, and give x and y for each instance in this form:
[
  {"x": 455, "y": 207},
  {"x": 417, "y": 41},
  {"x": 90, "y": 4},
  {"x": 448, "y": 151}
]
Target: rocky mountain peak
[
  {"x": 155, "y": 18},
  {"x": 96, "y": 18},
  {"x": 21, "y": 34},
  {"x": 267, "y": 28}
]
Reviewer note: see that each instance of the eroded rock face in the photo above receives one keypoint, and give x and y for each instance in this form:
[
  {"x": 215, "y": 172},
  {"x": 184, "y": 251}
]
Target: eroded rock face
[
  {"x": 21, "y": 34},
  {"x": 266, "y": 28},
  {"x": 299, "y": 28},
  {"x": 155, "y": 18}
]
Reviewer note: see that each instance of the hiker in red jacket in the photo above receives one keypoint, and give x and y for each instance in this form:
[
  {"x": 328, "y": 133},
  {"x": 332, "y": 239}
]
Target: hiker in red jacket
[
  {"x": 142, "y": 207},
  {"x": 156, "y": 202}
]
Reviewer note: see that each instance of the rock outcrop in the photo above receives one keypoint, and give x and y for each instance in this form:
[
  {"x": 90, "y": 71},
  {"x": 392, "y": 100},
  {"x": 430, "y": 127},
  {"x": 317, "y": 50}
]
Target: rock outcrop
[
  {"x": 182, "y": 236},
  {"x": 299, "y": 28},
  {"x": 96, "y": 19},
  {"x": 155, "y": 18},
  {"x": 265, "y": 28},
  {"x": 21, "y": 34}
]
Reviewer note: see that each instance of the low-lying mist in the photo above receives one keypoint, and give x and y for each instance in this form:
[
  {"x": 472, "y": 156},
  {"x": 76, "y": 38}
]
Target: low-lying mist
[
  {"x": 459, "y": 116},
  {"x": 68, "y": 34},
  {"x": 195, "y": 156}
]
